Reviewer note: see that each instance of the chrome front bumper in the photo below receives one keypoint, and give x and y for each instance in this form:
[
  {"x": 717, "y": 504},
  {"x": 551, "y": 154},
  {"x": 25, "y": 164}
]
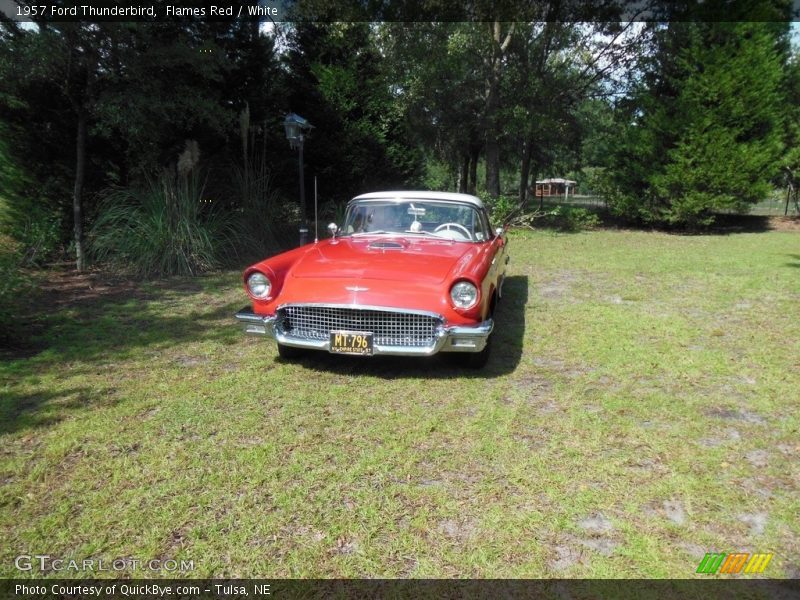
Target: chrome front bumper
[{"x": 455, "y": 338}]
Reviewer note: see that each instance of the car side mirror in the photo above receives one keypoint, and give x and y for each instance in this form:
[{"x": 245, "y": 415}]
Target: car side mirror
[
  {"x": 333, "y": 228},
  {"x": 499, "y": 231}
]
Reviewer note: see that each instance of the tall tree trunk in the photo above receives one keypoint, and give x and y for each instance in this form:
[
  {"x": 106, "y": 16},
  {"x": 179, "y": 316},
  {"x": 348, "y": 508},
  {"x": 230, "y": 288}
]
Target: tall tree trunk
[
  {"x": 463, "y": 174},
  {"x": 492, "y": 145},
  {"x": 524, "y": 173},
  {"x": 474, "y": 157},
  {"x": 492, "y": 165},
  {"x": 541, "y": 201},
  {"x": 499, "y": 46},
  {"x": 77, "y": 196}
]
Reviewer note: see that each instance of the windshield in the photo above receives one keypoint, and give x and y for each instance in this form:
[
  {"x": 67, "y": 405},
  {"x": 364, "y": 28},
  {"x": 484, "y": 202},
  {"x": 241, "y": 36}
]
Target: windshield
[{"x": 446, "y": 220}]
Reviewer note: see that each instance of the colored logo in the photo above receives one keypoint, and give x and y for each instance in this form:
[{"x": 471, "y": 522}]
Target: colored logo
[{"x": 741, "y": 562}]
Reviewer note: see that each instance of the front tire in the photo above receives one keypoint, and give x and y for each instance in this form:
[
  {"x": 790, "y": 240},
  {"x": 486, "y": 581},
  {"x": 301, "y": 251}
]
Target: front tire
[{"x": 289, "y": 352}]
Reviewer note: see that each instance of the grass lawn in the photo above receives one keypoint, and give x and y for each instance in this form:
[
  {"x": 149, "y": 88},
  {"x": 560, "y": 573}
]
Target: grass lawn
[{"x": 640, "y": 409}]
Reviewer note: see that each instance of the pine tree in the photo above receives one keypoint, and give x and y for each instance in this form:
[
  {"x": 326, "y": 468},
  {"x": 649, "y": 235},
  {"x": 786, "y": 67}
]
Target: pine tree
[{"x": 706, "y": 128}]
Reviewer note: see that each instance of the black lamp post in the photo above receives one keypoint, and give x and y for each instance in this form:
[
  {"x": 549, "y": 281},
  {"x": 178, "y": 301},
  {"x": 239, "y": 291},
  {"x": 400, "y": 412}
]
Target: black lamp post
[{"x": 295, "y": 127}]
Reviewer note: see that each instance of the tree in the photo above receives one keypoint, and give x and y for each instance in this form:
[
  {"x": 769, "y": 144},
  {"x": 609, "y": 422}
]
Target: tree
[
  {"x": 499, "y": 39},
  {"x": 557, "y": 68},
  {"x": 439, "y": 88},
  {"x": 93, "y": 105},
  {"x": 65, "y": 59},
  {"x": 704, "y": 130},
  {"x": 338, "y": 81},
  {"x": 790, "y": 168}
]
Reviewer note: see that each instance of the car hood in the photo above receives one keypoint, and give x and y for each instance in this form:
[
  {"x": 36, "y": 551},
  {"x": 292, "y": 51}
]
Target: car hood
[{"x": 383, "y": 257}]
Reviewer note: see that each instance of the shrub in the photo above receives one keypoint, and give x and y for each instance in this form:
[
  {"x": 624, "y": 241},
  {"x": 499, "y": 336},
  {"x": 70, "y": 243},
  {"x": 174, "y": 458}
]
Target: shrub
[
  {"x": 640, "y": 206},
  {"x": 39, "y": 236},
  {"x": 501, "y": 208},
  {"x": 568, "y": 218},
  {"x": 27, "y": 216},
  {"x": 265, "y": 222},
  {"x": 13, "y": 285},
  {"x": 437, "y": 176},
  {"x": 166, "y": 227}
]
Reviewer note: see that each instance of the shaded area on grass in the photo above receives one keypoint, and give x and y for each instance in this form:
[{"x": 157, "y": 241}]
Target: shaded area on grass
[
  {"x": 724, "y": 224},
  {"x": 77, "y": 317},
  {"x": 41, "y": 409},
  {"x": 94, "y": 320}
]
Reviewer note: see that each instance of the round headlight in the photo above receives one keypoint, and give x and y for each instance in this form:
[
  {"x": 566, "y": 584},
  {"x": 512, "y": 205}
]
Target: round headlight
[
  {"x": 464, "y": 294},
  {"x": 258, "y": 285}
]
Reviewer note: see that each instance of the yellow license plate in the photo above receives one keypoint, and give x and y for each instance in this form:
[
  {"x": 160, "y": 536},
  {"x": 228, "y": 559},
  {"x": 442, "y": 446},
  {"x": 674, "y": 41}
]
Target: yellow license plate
[{"x": 351, "y": 342}]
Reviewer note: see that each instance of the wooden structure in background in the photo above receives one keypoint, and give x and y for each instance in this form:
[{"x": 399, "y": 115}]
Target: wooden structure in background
[{"x": 555, "y": 186}]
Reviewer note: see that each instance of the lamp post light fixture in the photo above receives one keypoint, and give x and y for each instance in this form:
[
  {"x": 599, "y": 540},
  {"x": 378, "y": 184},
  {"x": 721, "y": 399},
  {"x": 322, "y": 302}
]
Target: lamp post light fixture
[{"x": 296, "y": 127}]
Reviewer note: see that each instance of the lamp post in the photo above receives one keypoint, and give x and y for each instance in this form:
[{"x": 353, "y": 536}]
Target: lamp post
[{"x": 295, "y": 127}]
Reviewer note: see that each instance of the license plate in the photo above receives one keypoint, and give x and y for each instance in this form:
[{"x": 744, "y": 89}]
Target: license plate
[{"x": 351, "y": 342}]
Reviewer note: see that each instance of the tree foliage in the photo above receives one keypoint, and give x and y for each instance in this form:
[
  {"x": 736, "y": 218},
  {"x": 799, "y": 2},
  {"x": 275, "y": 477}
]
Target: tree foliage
[
  {"x": 682, "y": 118},
  {"x": 339, "y": 83},
  {"x": 704, "y": 130},
  {"x": 91, "y": 105}
]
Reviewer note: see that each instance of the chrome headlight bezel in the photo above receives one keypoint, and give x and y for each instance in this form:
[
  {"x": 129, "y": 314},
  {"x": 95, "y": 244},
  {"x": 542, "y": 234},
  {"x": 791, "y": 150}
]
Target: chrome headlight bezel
[
  {"x": 464, "y": 295},
  {"x": 259, "y": 285}
]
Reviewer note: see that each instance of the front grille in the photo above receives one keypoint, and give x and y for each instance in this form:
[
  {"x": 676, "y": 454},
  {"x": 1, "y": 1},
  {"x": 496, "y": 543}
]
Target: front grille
[{"x": 389, "y": 328}]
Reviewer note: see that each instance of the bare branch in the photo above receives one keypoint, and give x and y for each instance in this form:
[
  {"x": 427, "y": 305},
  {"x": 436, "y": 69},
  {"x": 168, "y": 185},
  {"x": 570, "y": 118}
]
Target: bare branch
[{"x": 507, "y": 41}]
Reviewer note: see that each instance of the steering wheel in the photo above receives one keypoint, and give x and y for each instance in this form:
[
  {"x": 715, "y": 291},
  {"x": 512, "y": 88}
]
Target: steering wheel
[{"x": 447, "y": 226}]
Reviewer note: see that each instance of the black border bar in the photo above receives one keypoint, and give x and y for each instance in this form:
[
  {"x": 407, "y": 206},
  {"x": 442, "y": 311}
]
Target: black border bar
[
  {"x": 397, "y": 10},
  {"x": 290, "y": 589}
]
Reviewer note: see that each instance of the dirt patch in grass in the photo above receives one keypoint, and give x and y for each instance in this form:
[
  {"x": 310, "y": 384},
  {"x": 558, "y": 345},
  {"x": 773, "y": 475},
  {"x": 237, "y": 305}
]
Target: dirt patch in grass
[
  {"x": 729, "y": 414},
  {"x": 536, "y": 391},
  {"x": 765, "y": 485},
  {"x": 566, "y": 557},
  {"x": 696, "y": 551},
  {"x": 174, "y": 543},
  {"x": 601, "y": 545},
  {"x": 599, "y": 535},
  {"x": 561, "y": 367},
  {"x": 345, "y": 545},
  {"x": 191, "y": 361},
  {"x": 756, "y": 521},
  {"x": 558, "y": 286},
  {"x": 785, "y": 223},
  {"x": 671, "y": 510},
  {"x": 674, "y": 511},
  {"x": 728, "y": 436},
  {"x": 648, "y": 465},
  {"x": 758, "y": 458},
  {"x": 64, "y": 286},
  {"x": 459, "y": 530},
  {"x": 596, "y": 523}
]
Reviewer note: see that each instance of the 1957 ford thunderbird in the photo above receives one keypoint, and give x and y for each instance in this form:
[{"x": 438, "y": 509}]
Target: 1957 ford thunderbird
[{"x": 407, "y": 273}]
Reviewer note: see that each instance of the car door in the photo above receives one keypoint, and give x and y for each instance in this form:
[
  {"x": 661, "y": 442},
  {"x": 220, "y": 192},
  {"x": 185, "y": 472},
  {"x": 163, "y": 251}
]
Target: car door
[{"x": 498, "y": 255}]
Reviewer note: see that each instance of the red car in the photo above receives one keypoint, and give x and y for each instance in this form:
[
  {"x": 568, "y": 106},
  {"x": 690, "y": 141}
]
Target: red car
[{"x": 408, "y": 273}]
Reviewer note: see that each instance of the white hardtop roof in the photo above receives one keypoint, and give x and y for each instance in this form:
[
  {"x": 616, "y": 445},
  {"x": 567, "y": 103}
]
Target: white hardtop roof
[{"x": 422, "y": 195}]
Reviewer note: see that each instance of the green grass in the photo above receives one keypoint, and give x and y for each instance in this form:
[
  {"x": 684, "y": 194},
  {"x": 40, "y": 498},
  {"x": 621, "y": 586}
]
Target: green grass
[{"x": 639, "y": 410}]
